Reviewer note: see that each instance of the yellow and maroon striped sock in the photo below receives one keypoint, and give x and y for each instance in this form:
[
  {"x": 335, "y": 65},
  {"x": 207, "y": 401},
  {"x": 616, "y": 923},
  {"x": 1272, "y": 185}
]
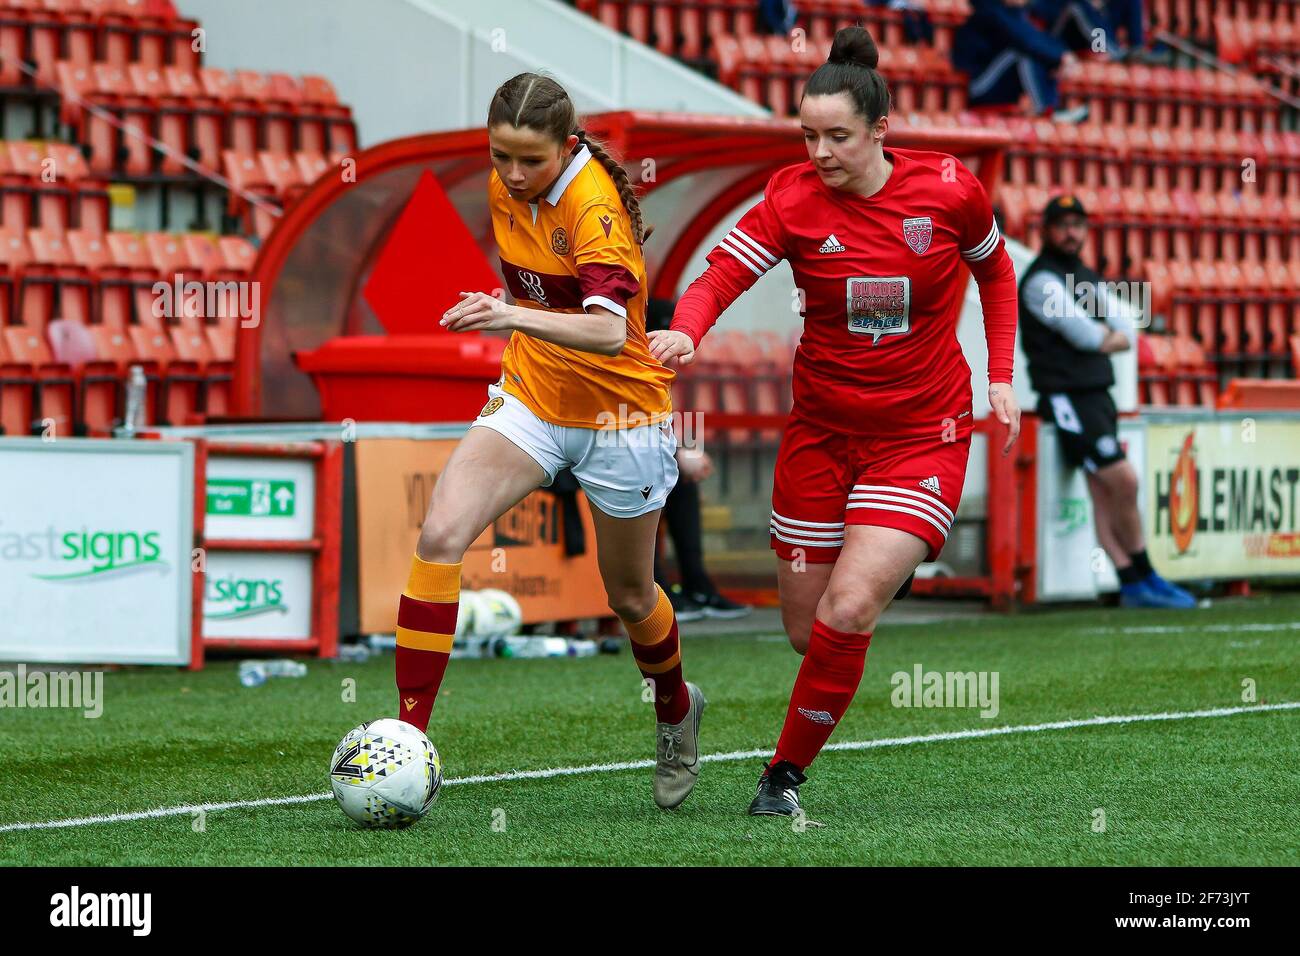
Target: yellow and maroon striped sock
[
  {"x": 426, "y": 625},
  {"x": 658, "y": 654}
]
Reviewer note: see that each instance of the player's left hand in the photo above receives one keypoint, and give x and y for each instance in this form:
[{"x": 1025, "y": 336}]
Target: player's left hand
[
  {"x": 478, "y": 312},
  {"x": 694, "y": 464},
  {"x": 1003, "y": 401}
]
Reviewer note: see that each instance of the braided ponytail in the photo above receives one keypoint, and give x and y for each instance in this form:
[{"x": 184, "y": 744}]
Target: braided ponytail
[
  {"x": 538, "y": 102},
  {"x": 626, "y": 192}
]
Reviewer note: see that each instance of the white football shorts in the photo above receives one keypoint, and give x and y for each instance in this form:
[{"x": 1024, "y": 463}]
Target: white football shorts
[{"x": 625, "y": 472}]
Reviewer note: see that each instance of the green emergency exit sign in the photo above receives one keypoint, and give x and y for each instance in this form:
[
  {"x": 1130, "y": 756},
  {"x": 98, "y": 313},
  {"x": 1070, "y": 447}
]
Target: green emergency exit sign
[{"x": 250, "y": 497}]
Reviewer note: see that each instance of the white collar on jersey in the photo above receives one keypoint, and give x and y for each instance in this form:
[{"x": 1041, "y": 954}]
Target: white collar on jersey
[{"x": 569, "y": 175}]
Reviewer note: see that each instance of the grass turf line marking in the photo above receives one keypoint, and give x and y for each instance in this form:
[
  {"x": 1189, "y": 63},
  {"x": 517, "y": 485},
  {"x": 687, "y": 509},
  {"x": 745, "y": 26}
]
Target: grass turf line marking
[{"x": 734, "y": 755}]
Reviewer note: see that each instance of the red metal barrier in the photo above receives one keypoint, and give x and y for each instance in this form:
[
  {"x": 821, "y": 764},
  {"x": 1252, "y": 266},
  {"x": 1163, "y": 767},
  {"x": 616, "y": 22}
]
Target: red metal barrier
[{"x": 324, "y": 546}]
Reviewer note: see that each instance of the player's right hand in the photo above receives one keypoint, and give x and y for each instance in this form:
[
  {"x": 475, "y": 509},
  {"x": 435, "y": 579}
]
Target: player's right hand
[{"x": 672, "y": 348}]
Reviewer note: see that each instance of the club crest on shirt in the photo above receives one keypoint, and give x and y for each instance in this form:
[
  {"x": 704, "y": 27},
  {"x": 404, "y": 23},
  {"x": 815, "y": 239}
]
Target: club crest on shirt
[
  {"x": 607, "y": 224},
  {"x": 879, "y": 305},
  {"x": 560, "y": 242},
  {"x": 918, "y": 232}
]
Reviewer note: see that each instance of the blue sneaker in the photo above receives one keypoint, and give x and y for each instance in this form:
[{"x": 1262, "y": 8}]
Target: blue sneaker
[
  {"x": 1171, "y": 590},
  {"x": 1146, "y": 594}
]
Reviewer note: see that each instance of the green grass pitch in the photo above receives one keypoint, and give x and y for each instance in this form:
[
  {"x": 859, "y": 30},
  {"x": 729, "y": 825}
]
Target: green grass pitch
[{"x": 1205, "y": 791}]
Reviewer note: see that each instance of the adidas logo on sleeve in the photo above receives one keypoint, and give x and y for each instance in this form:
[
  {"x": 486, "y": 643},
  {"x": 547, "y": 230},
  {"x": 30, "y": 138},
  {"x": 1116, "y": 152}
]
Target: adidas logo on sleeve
[{"x": 930, "y": 484}]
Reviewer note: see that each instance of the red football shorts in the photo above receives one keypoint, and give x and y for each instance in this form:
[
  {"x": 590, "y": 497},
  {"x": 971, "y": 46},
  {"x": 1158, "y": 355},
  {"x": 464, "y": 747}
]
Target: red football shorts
[{"x": 826, "y": 480}]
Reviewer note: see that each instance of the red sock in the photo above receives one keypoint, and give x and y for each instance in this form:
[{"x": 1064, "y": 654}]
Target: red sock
[
  {"x": 828, "y": 679},
  {"x": 426, "y": 626},
  {"x": 658, "y": 654}
]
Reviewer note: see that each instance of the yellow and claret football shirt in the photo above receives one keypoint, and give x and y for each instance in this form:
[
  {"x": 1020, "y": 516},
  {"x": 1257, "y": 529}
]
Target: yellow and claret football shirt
[{"x": 571, "y": 249}]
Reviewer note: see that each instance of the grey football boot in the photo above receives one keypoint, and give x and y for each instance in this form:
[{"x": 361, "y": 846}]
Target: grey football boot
[{"x": 677, "y": 753}]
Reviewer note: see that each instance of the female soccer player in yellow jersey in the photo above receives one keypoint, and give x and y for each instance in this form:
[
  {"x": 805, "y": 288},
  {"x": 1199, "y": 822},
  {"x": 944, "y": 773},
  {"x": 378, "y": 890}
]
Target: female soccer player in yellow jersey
[{"x": 578, "y": 389}]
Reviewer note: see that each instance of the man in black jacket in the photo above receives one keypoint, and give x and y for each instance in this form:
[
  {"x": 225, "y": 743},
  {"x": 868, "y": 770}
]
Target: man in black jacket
[{"x": 1069, "y": 326}]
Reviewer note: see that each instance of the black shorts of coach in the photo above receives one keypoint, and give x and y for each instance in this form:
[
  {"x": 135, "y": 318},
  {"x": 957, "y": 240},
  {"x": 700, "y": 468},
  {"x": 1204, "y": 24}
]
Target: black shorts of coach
[{"x": 1087, "y": 426}]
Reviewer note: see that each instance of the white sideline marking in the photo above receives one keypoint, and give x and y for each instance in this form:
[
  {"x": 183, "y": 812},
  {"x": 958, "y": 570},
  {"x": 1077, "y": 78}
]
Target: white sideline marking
[{"x": 645, "y": 764}]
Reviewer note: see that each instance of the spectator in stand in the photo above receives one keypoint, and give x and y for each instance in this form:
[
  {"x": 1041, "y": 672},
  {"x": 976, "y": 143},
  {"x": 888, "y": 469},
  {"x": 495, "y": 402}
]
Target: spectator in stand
[
  {"x": 776, "y": 16},
  {"x": 1079, "y": 24},
  {"x": 1007, "y": 55},
  {"x": 917, "y": 27},
  {"x": 696, "y": 596},
  {"x": 1069, "y": 328}
]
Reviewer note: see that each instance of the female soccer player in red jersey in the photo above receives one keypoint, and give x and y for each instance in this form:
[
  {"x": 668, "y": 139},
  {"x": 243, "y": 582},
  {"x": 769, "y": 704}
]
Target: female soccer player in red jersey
[
  {"x": 579, "y": 390},
  {"x": 872, "y": 461}
]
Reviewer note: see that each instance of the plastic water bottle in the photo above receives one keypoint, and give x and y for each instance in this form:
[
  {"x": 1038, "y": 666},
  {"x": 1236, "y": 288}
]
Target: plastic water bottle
[
  {"x": 381, "y": 642},
  {"x": 530, "y": 646},
  {"x": 581, "y": 647},
  {"x": 252, "y": 673},
  {"x": 286, "y": 668},
  {"x": 353, "y": 653},
  {"x": 471, "y": 647},
  {"x": 135, "y": 399},
  {"x": 256, "y": 673}
]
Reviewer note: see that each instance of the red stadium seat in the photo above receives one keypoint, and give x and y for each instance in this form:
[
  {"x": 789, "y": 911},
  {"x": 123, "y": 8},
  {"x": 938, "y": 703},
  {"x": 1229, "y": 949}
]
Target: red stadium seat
[
  {"x": 17, "y": 393},
  {"x": 181, "y": 383},
  {"x": 248, "y": 176},
  {"x": 282, "y": 173},
  {"x": 194, "y": 117},
  {"x": 238, "y": 255},
  {"x": 17, "y": 192},
  {"x": 55, "y": 285},
  {"x": 14, "y": 258},
  {"x": 203, "y": 254},
  {"x": 274, "y": 103},
  {"x": 1152, "y": 373},
  {"x": 13, "y": 50},
  {"x": 53, "y": 396},
  {"x": 311, "y": 167},
  {"x": 98, "y": 381},
  {"x": 45, "y": 184},
  {"x": 1196, "y": 382},
  {"x": 126, "y": 293}
]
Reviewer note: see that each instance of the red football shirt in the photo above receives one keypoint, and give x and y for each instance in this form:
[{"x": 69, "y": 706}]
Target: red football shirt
[{"x": 882, "y": 282}]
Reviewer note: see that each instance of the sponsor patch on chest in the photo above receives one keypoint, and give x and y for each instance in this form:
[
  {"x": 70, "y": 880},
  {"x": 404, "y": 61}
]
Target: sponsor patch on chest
[{"x": 879, "y": 305}]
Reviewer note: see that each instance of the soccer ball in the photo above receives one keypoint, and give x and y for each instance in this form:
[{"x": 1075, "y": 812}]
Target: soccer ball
[
  {"x": 465, "y": 615},
  {"x": 496, "y": 613},
  {"x": 385, "y": 774}
]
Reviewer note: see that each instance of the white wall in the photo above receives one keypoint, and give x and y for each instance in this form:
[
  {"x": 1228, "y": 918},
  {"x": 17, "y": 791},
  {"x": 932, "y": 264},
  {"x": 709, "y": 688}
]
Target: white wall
[{"x": 414, "y": 66}]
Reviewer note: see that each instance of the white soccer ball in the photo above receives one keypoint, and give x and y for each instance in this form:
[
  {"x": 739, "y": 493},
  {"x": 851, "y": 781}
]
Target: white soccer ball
[
  {"x": 465, "y": 614},
  {"x": 496, "y": 613},
  {"x": 385, "y": 774}
]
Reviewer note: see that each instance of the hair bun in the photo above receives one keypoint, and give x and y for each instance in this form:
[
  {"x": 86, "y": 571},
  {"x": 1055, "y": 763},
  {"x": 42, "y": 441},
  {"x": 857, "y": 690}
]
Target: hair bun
[{"x": 854, "y": 45}]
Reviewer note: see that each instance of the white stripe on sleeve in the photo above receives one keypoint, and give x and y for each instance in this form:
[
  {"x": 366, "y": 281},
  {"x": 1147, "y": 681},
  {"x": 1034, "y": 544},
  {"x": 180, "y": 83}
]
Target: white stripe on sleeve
[
  {"x": 984, "y": 249},
  {"x": 746, "y": 257},
  {"x": 765, "y": 256}
]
